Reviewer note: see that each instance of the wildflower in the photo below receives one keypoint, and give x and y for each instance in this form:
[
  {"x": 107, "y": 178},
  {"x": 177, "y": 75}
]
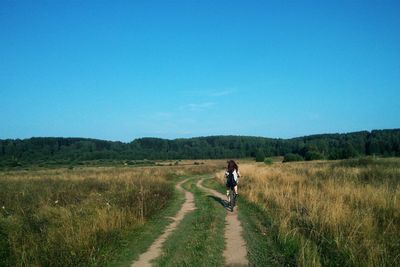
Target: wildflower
[
  {"x": 56, "y": 201},
  {"x": 3, "y": 207}
]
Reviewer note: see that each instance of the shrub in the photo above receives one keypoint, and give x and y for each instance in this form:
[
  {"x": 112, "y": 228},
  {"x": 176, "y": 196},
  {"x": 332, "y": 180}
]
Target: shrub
[
  {"x": 268, "y": 161},
  {"x": 292, "y": 157},
  {"x": 260, "y": 156},
  {"x": 313, "y": 155}
]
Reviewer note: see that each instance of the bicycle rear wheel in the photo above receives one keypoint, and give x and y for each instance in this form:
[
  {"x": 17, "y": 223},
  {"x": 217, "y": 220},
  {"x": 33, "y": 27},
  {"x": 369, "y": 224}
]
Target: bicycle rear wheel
[{"x": 232, "y": 199}]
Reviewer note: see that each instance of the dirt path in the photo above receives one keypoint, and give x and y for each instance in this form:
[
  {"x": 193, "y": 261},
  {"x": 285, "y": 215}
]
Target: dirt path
[
  {"x": 154, "y": 250},
  {"x": 235, "y": 252}
]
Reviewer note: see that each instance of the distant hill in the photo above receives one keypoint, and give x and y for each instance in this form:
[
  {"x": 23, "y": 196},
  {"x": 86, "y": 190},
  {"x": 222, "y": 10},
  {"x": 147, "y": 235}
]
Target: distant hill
[{"x": 16, "y": 152}]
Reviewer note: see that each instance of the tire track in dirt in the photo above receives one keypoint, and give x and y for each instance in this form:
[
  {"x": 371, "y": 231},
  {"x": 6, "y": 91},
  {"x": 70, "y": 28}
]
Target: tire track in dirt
[
  {"x": 154, "y": 250},
  {"x": 235, "y": 253}
]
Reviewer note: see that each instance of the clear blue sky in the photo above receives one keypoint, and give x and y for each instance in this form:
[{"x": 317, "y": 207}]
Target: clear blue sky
[{"x": 119, "y": 70}]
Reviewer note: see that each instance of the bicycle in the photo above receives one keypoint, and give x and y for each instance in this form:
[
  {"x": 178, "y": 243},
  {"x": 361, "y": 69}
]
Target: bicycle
[{"x": 232, "y": 199}]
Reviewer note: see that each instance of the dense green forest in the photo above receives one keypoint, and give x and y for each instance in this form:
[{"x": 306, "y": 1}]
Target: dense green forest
[{"x": 324, "y": 146}]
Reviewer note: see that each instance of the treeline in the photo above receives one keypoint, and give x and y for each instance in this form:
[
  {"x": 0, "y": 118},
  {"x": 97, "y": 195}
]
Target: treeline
[{"x": 324, "y": 146}]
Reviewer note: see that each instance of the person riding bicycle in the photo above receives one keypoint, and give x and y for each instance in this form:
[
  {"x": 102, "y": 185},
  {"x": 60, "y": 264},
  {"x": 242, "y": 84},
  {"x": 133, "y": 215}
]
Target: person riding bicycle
[{"x": 232, "y": 177}]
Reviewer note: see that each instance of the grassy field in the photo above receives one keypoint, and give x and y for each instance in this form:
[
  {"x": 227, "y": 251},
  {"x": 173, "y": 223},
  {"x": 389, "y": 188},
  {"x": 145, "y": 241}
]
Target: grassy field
[
  {"x": 199, "y": 240},
  {"x": 259, "y": 232},
  {"x": 340, "y": 213},
  {"x": 321, "y": 213},
  {"x": 81, "y": 216}
]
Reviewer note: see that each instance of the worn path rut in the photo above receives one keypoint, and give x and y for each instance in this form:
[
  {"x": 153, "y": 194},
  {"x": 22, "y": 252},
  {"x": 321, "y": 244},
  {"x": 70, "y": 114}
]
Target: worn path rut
[
  {"x": 155, "y": 249},
  {"x": 235, "y": 253}
]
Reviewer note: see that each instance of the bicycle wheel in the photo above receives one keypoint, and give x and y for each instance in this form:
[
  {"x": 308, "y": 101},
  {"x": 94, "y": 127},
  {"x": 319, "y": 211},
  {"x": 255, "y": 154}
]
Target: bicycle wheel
[{"x": 232, "y": 199}]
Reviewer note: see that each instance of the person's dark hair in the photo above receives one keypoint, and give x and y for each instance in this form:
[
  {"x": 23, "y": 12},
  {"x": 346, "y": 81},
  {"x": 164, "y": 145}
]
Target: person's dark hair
[{"x": 232, "y": 166}]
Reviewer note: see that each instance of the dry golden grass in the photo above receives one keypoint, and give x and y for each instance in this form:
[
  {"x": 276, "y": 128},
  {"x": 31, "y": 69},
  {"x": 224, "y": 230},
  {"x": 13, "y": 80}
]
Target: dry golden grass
[
  {"x": 333, "y": 213},
  {"x": 63, "y": 217}
]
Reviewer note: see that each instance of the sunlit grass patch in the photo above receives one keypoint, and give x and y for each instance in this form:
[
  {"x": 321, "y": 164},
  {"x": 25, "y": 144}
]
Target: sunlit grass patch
[
  {"x": 335, "y": 213},
  {"x": 79, "y": 217}
]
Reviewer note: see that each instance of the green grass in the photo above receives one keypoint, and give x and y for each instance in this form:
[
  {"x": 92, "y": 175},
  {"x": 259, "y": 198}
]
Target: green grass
[
  {"x": 211, "y": 183},
  {"x": 199, "y": 238},
  {"x": 260, "y": 234},
  {"x": 138, "y": 240}
]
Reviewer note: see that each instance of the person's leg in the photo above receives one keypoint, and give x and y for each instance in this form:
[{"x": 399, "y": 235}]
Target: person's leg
[{"x": 235, "y": 189}]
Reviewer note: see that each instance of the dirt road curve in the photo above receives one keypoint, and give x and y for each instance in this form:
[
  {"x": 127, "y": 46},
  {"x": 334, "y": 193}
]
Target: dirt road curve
[
  {"x": 235, "y": 253},
  {"x": 155, "y": 249}
]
